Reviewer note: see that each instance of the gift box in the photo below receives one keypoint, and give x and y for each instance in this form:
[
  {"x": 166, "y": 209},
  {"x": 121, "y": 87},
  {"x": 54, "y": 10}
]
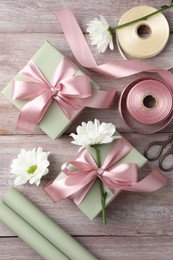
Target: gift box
[
  {"x": 91, "y": 205},
  {"x": 53, "y": 120}
]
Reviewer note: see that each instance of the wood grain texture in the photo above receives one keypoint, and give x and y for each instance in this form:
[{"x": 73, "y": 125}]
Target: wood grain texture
[
  {"x": 121, "y": 248},
  {"x": 140, "y": 226},
  {"x": 36, "y": 16}
]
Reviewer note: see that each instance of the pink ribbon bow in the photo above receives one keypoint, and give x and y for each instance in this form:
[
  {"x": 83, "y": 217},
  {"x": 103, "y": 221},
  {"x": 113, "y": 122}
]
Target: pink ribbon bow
[
  {"x": 70, "y": 92},
  {"x": 77, "y": 183}
]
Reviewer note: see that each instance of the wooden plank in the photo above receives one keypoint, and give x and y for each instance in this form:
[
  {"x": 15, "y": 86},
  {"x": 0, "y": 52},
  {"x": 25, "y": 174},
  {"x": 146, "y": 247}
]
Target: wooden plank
[
  {"x": 14, "y": 248},
  {"x": 135, "y": 214},
  {"x": 105, "y": 248},
  {"x": 130, "y": 248},
  {"x": 37, "y": 16}
]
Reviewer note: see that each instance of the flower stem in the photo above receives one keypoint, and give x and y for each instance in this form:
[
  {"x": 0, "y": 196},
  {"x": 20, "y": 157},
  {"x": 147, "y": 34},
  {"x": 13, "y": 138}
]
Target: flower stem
[
  {"x": 161, "y": 9},
  {"x": 103, "y": 198},
  {"x": 103, "y": 193},
  {"x": 98, "y": 161}
]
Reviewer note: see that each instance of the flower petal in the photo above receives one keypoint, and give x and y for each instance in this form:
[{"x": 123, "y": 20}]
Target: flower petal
[
  {"x": 92, "y": 133},
  {"x": 36, "y": 159},
  {"x": 20, "y": 180},
  {"x": 100, "y": 34}
]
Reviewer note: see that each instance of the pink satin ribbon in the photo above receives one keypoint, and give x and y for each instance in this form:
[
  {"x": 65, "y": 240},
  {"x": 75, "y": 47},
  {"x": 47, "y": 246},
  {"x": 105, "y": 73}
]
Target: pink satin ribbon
[
  {"x": 82, "y": 53},
  {"x": 77, "y": 183},
  {"x": 71, "y": 93},
  {"x": 116, "y": 69},
  {"x": 141, "y": 119}
]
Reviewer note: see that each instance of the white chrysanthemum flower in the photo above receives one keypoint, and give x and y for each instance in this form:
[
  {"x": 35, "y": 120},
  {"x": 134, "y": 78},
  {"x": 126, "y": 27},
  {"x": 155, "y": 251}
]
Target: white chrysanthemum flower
[
  {"x": 93, "y": 133},
  {"x": 30, "y": 166},
  {"x": 100, "y": 34}
]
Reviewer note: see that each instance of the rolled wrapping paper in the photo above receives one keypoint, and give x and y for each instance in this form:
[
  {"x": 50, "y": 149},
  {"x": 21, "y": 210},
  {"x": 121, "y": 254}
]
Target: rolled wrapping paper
[
  {"x": 29, "y": 235},
  {"x": 143, "y": 39},
  {"x": 146, "y": 105},
  {"x": 45, "y": 226}
]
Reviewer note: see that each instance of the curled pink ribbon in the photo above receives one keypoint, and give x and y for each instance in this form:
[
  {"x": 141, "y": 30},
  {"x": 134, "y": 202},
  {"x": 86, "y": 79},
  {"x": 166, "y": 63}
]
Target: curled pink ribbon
[
  {"x": 116, "y": 69},
  {"x": 77, "y": 183},
  {"x": 71, "y": 93},
  {"x": 82, "y": 52}
]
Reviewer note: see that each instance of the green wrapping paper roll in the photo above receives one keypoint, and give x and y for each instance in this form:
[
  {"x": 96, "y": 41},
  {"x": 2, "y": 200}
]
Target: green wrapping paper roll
[
  {"x": 47, "y": 227},
  {"x": 29, "y": 235}
]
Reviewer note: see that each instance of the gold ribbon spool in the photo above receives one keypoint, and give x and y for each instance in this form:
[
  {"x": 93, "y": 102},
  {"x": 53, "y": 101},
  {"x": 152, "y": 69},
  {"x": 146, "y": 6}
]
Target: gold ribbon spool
[{"x": 143, "y": 39}]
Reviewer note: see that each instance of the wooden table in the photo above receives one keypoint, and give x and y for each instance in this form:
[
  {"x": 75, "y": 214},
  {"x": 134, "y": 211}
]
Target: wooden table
[{"x": 140, "y": 226}]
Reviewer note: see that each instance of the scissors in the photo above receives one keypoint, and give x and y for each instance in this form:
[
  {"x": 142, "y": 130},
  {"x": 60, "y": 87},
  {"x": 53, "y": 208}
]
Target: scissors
[{"x": 162, "y": 145}]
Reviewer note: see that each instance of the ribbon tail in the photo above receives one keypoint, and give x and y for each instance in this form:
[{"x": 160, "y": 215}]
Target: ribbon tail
[
  {"x": 152, "y": 182},
  {"x": 33, "y": 111},
  {"x": 58, "y": 190},
  {"x": 73, "y": 186},
  {"x": 100, "y": 99},
  {"x": 75, "y": 38},
  {"x": 80, "y": 195},
  {"x": 69, "y": 107}
]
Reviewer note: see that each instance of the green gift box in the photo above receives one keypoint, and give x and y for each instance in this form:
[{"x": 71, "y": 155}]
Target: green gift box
[
  {"x": 91, "y": 204},
  {"x": 54, "y": 121}
]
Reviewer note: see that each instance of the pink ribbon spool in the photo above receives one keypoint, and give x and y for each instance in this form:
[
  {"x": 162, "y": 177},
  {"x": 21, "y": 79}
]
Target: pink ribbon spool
[{"x": 146, "y": 105}]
